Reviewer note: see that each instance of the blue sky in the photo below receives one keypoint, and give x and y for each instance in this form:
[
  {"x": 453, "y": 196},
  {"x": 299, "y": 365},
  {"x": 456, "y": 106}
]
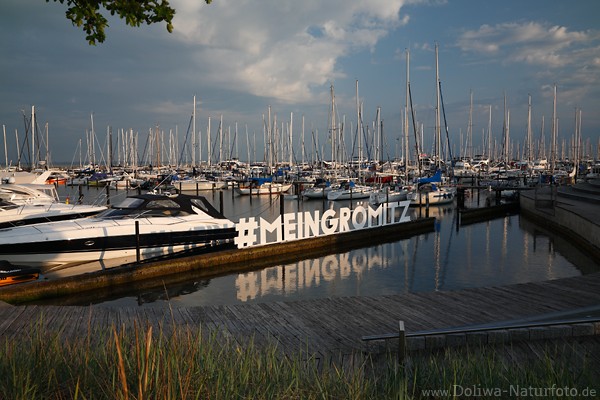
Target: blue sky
[{"x": 241, "y": 57}]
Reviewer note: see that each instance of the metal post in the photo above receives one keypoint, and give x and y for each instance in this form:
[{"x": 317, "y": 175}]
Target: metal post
[
  {"x": 401, "y": 343},
  {"x": 137, "y": 241},
  {"x": 221, "y": 201},
  {"x": 281, "y": 211}
]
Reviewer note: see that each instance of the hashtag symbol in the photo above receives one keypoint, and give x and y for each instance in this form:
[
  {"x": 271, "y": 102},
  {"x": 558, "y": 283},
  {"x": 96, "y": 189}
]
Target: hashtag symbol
[{"x": 246, "y": 229}]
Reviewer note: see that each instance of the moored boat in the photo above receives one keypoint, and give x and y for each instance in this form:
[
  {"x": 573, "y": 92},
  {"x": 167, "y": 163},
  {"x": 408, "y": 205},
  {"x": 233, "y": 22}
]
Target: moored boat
[
  {"x": 152, "y": 225},
  {"x": 350, "y": 191},
  {"x": 262, "y": 186}
]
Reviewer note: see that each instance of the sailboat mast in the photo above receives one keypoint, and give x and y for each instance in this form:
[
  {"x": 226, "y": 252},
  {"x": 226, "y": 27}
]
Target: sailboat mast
[
  {"x": 554, "y": 129},
  {"x": 438, "y": 132},
  {"x": 194, "y": 134},
  {"x": 529, "y": 155},
  {"x": 208, "y": 147},
  {"x": 32, "y": 138},
  {"x": 406, "y": 104}
]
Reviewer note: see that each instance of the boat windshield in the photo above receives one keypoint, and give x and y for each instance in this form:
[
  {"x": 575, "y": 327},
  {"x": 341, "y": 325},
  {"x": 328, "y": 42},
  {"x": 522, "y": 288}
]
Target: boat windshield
[
  {"x": 132, "y": 207},
  {"x": 130, "y": 202}
]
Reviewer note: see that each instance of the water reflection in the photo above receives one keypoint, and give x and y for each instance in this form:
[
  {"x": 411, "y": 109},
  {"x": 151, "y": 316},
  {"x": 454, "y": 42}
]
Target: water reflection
[{"x": 502, "y": 251}]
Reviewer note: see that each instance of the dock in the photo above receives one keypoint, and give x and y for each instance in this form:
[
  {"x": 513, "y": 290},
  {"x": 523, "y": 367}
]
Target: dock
[{"x": 329, "y": 328}]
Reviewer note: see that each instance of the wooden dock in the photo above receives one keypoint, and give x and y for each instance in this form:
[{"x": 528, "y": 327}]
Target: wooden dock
[{"x": 320, "y": 328}]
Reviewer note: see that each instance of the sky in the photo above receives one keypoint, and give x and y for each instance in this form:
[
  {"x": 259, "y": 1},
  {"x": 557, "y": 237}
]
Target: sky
[{"x": 244, "y": 59}]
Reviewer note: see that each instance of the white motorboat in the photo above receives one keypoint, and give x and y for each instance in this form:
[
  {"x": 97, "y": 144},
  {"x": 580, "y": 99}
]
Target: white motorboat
[
  {"x": 29, "y": 193},
  {"x": 24, "y": 204},
  {"x": 149, "y": 225},
  {"x": 12, "y": 214}
]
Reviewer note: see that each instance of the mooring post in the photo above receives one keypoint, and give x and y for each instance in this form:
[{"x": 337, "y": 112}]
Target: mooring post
[
  {"x": 137, "y": 241},
  {"x": 427, "y": 206},
  {"x": 401, "y": 343},
  {"x": 281, "y": 211},
  {"x": 221, "y": 201},
  {"x": 107, "y": 195}
]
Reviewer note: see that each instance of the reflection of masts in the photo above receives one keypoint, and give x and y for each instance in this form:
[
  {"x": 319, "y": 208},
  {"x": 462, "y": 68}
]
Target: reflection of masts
[{"x": 441, "y": 274}]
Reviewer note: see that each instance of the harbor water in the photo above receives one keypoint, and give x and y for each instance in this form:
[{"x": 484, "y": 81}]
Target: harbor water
[{"x": 501, "y": 251}]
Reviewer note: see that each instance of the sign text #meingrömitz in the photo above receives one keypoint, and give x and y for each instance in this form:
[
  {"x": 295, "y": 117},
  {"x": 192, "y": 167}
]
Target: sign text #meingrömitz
[{"x": 307, "y": 224}]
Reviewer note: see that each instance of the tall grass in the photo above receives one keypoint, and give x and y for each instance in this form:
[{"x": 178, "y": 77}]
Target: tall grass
[{"x": 186, "y": 363}]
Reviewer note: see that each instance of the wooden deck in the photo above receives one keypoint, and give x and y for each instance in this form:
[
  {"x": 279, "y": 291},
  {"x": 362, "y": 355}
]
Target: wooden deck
[{"x": 321, "y": 327}]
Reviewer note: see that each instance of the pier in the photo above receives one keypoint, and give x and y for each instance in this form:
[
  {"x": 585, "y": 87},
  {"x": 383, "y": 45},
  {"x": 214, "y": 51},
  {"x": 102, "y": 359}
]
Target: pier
[{"x": 331, "y": 328}]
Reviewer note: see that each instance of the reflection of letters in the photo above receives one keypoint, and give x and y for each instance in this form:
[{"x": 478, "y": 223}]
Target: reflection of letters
[
  {"x": 301, "y": 225},
  {"x": 308, "y": 273}
]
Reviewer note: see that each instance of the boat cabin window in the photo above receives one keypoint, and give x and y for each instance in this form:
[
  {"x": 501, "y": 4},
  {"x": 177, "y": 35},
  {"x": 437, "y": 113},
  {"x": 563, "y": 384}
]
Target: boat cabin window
[{"x": 130, "y": 202}]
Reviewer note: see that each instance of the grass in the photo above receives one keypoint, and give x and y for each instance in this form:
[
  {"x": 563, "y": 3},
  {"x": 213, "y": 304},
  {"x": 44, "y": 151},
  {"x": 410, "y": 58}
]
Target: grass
[{"x": 186, "y": 363}]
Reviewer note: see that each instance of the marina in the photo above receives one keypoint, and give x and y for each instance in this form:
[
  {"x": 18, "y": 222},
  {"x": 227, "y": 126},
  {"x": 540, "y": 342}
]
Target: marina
[
  {"x": 192, "y": 207},
  {"x": 455, "y": 253}
]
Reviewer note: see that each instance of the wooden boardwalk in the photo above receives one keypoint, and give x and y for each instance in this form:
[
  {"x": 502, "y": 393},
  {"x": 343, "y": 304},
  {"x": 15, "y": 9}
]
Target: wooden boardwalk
[{"x": 321, "y": 327}]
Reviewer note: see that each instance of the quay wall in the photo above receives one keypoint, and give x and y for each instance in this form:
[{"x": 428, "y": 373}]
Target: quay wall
[{"x": 572, "y": 222}]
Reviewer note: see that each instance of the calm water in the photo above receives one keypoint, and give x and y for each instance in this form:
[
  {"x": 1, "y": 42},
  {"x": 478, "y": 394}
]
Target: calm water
[{"x": 498, "y": 252}]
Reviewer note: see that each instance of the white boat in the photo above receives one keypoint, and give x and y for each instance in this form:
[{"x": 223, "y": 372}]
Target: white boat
[
  {"x": 429, "y": 191},
  {"x": 350, "y": 191},
  {"x": 432, "y": 194},
  {"x": 28, "y": 193},
  {"x": 262, "y": 186},
  {"x": 388, "y": 195},
  {"x": 12, "y": 214},
  {"x": 154, "y": 225},
  {"x": 191, "y": 185},
  {"x": 317, "y": 191}
]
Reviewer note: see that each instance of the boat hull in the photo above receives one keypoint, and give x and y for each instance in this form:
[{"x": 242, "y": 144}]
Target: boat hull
[
  {"x": 264, "y": 189},
  {"x": 438, "y": 197},
  {"x": 39, "y": 247}
]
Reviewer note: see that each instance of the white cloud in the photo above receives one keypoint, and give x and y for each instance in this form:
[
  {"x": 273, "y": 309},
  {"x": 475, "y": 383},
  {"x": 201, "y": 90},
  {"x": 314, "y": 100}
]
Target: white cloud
[
  {"x": 287, "y": 58},
  {"x": 529, "y": 42}
]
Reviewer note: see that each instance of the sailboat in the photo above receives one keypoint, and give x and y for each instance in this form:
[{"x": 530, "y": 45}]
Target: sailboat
[
  {"x": 349, "y": 190},
  {"x": 429, "y": 191}
]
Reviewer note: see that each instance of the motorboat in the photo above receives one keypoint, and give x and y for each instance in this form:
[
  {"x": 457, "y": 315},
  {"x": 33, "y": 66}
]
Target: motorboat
[
  {"x": 28, "y": 203},
  {"x": 12, "y": 214},
  {"x": 147, "y": 225},
  {"x": 28, "y": 193}
]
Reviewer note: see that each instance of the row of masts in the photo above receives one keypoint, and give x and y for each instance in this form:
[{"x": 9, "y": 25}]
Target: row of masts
[{"x": 368, "y": 144}]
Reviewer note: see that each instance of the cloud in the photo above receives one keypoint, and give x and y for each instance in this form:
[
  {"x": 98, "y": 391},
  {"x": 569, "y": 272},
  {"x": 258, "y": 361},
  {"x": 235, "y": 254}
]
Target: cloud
[
  {"x": 529, "y": 42},
  {"x": 288, "y": 58}
]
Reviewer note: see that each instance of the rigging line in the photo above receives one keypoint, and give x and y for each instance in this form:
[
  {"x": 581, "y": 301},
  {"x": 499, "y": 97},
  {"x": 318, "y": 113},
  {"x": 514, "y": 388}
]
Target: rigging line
[
  {"x": 183, "y": 147},
  {"x": 412, "y": 112},
  {"x": 446, "y": 126}
]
